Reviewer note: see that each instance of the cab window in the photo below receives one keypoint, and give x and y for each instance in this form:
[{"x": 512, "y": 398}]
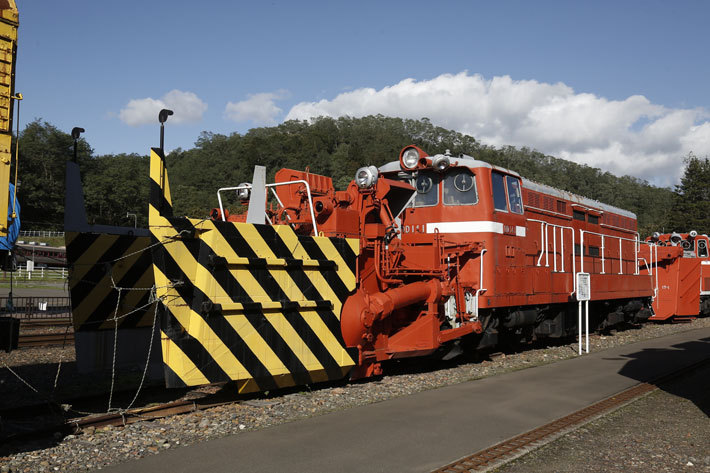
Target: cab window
[
  {"x": 460, "y": 187},
  {"x": 702, "y": 249},
  {"x": 427, "y": 186},
  {"x": 498, "y": 183},
  {"x": 515, "y": 198}
]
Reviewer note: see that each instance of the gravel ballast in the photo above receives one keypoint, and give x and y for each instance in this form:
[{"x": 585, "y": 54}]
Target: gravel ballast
[{"x": 92, "y": 449}]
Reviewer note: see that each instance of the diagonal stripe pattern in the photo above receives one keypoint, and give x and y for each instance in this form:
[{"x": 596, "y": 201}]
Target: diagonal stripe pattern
[
  {"x": 255, "y": 304},
  {"x": 96, "y": 262}
]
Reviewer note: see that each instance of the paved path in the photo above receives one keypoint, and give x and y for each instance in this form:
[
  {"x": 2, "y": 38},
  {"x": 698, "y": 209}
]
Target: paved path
[
  {"x": 55, "y": 290},
  {"x": 426, "y": 430}
]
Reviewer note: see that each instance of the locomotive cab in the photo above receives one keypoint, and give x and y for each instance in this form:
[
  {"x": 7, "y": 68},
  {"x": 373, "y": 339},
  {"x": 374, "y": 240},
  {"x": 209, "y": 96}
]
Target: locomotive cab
[
  {"x": 457, "y": 195},
  {"x": 467, "y": 200}
]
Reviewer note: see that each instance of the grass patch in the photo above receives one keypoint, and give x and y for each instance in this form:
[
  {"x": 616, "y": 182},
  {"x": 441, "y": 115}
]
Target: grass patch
[{"x": 50, "y": 241}]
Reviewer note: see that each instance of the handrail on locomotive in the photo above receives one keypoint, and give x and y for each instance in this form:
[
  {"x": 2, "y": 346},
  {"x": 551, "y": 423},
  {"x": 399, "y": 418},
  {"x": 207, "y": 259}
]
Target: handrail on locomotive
[{"x": 244, "y": 197}]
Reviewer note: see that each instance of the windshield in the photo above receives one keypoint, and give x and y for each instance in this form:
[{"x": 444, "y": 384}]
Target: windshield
[
  {"x": 498, "y": 183},
  {"x": 514, "y": 196},
  {"x": 427, "y": 185},
  {"x": 460, "y": 187}
]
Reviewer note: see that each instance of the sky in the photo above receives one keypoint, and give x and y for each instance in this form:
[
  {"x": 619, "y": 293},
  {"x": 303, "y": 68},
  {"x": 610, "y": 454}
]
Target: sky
[{"x": 618, "y": 85}]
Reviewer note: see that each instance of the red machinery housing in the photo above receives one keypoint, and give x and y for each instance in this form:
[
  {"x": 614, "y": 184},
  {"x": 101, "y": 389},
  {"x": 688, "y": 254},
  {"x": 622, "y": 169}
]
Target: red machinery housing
[
  {"x": 682, "y": 275},
  {"x": 455, "y": 248}
]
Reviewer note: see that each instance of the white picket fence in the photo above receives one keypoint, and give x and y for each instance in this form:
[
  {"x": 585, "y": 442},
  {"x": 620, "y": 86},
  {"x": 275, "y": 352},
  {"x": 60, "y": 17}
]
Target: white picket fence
[
  {"x": 40, "y": 233},
  {"x": 41, "y": 273}
]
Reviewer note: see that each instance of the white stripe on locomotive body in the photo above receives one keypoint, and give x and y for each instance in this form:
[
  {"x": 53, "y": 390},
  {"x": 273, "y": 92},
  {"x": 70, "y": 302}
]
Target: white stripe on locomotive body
[{"x": 474, "y": 226}]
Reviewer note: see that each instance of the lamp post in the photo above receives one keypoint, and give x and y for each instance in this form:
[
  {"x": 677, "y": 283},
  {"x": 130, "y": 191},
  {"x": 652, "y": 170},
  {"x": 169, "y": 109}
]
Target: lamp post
[
  {"x": 162, "y": 118},
  {"x": 75, "y": 133}
]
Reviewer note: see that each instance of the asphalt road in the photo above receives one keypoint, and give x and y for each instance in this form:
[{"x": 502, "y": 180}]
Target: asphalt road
[
  {"x": 426, "y": 430},
  {"x": 54, "y": 290}
]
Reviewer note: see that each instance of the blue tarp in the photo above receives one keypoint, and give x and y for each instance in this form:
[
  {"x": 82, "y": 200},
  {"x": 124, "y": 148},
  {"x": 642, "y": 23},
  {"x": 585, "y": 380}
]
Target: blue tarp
[{"x": 8, "y": 242}]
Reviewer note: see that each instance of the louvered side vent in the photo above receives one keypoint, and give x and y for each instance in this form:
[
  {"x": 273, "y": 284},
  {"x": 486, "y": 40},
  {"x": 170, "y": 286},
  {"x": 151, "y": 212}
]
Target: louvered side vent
[
  {"x": 535, "y": 198},
  {"x": 549, "y": 203}
]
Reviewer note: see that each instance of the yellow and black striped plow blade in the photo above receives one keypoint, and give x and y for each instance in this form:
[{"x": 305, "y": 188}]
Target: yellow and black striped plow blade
[
  {"x": 255, "y": 304},
  {"x": 99, "y": 264}
]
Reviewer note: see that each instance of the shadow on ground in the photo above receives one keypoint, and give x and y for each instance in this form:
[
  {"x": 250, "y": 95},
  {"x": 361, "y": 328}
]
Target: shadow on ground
[{"x": 654, "y": 365}]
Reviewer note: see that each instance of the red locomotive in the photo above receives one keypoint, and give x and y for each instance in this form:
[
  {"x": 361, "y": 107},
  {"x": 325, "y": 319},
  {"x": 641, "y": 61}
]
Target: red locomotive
[{"x": 474, "y": 251}]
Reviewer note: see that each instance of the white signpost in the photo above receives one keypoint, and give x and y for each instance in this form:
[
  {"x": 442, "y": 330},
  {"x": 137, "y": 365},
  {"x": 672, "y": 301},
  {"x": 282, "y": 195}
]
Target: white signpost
[{"x": 584, "y": 291}]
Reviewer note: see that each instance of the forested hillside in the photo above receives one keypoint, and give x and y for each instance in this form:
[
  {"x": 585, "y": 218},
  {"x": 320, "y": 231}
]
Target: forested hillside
[{"x": 117, "y": 184}]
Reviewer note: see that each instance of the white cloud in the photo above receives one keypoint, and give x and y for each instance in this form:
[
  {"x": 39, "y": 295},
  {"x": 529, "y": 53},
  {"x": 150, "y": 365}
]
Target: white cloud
[
  {"x": 631, "y": 136},
  {"x": 187, "y": 106},
  {"x": 258, "y": 108}
]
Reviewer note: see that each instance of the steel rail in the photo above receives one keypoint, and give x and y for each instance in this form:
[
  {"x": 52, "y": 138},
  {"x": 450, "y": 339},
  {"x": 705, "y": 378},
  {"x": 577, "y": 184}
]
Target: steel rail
[
  {"x": 45, "y": 339},
  {"x": 58, "y": 322},
  {"x": 505, "y": 451},
  {"x": 120, "y": 418}
]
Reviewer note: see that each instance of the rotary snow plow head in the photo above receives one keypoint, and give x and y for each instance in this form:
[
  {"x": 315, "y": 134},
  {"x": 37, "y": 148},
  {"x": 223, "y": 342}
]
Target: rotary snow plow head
[{"x": 252, "y": 303}]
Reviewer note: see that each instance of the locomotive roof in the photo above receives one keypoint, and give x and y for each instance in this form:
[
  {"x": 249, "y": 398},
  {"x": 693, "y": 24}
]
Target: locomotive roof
[
  {"x": 585, "y": 201},
  {"x": 469, "y": 161}
]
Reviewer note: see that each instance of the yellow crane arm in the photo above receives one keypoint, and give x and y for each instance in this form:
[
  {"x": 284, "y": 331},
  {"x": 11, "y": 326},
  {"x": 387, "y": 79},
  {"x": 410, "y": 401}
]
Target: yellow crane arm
[{"x": 9, "y": 21}]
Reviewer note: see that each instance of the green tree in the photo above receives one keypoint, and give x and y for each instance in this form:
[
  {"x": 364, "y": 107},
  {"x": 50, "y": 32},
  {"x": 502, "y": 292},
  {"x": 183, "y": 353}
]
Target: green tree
[
  {"x": 115, "y": 185},
  {"x": 691, "y": 202},
  {"x": 43, "y": 152}
]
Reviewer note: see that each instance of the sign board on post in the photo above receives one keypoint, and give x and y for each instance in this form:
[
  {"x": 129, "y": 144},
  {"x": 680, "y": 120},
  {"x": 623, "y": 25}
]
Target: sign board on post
[
  {"x": 584, "y": 292},
  {"x": 584, "y": 289},
  {"x": 30, "y": 266}
]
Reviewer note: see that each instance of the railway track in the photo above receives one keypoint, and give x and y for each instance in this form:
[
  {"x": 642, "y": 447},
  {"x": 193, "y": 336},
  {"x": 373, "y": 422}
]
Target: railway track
[
  {"x": 45, "y": 339},
  {"x": 56, "y": 322},
  {"x": 74, "y": 424},
  {"x": 510, "y": 449}
]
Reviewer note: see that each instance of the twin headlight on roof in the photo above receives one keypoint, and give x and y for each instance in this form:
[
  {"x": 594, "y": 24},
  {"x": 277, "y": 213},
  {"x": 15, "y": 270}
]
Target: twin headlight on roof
[{"x": 411, "y": 158}]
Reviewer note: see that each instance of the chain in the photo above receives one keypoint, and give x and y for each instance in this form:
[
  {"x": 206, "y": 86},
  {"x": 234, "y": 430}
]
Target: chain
[
  {"x": 61, "y": 360},
  {"x": 19, "y": 377},
  {"x": 147, "y": 360},
  {"x": 115, "y": 345}
]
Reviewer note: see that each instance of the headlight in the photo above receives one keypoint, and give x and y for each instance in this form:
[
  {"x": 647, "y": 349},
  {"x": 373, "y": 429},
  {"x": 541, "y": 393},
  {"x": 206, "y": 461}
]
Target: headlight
[
  {"x": 366, "y": 177},
  {"x": 244, "y": 192},
  {"x": 410, "y": 158},
  {"x": 441, "y": 162},
  {"x": 693, "y": 234}
]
